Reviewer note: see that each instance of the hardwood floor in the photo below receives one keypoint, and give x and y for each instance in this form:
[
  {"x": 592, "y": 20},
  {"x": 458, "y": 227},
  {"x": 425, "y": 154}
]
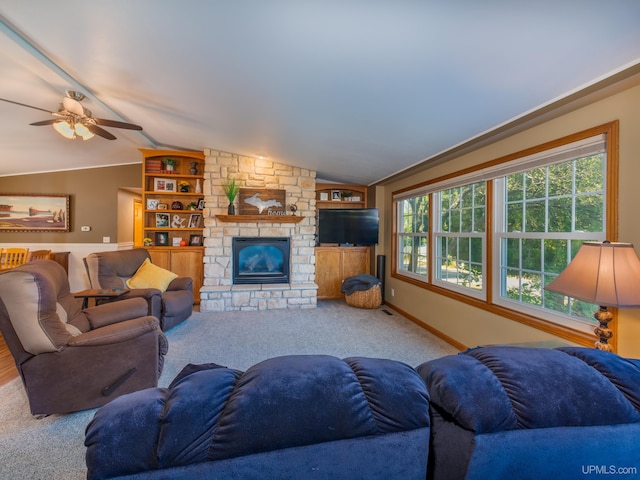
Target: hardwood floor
[{"x": 8, "y": 369}]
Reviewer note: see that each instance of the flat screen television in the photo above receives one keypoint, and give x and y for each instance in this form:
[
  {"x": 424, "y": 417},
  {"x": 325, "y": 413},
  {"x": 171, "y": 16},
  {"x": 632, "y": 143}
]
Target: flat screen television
[{"x": 348, "y": 226}]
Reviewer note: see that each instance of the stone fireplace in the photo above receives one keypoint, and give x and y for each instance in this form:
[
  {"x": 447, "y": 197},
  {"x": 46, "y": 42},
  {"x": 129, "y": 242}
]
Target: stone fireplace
[{"x": 295, "y": 286}]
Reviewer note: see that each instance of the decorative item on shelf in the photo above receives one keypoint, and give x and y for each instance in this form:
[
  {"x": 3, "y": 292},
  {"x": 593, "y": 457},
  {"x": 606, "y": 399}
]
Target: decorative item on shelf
[
  {"x": 194, "y": 220},
  {"x": 604, "y": 274},
  {"x": 164, "y": 185},
  {"x": 169, "y": 164},
  {"x": 201, "y": 203},
  {"x": 184, "y": 186},
  {"x": 162, "y": 220},
  {"x": 177, "y": 222},
  {"x": 162, "y": 239},
  {"x": 335, "y": 195},
  {"x": 152, "y": 204},
  {"x": 153, "y": 165},
  {"x": 163, "y": 206},
  {"x": 147, "y": 242},
  {"x": 294, "y": 208},
  {"x": 191, "y": 206},
  {"x": 198, "y": 186},
  {"x": 346, "y": 196},
  {"x": 177, "y": 205},
  {"x": 195, "y": 240},
  {"x": 231, "y": 189},
  {"x": 194, "y": 168}
]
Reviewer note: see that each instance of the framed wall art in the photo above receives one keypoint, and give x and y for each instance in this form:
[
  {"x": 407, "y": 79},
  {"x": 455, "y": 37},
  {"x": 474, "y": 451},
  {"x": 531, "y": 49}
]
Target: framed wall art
[{"x": 34, "y": 213}]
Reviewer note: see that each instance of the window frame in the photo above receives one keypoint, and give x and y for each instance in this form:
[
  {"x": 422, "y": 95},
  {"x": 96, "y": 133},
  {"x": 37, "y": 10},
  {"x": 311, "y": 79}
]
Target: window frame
[
  {"x": 572, "y": 329},
  {"x": 402, "y": 234},
  {"x": 439, "y": 234}
]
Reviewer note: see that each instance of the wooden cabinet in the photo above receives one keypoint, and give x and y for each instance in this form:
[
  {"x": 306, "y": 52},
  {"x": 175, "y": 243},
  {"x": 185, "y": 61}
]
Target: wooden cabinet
[
  {"x": 334, "y": 264},
  {"x": 172, "y": 196},
  {"x": 183, "y": 261},
  {"x": 340, "y": 195}
]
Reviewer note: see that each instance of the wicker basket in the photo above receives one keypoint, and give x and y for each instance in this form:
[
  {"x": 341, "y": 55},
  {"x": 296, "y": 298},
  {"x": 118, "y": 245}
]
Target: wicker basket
[{"x": 371, "y": 298}]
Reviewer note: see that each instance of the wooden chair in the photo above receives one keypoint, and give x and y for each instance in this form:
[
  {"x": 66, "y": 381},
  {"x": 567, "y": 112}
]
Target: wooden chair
[
  {"x": 13, "y": 257},
  {"x": 39, "y": 255}
]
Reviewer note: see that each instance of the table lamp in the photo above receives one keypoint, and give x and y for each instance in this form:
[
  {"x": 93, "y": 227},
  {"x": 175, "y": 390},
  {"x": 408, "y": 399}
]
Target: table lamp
[{"x": 605, "y": 274}]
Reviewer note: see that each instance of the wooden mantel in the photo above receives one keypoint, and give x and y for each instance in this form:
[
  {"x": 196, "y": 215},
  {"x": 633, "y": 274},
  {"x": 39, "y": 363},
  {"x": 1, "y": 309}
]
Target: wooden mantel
[{"x": 260, "y": 218}]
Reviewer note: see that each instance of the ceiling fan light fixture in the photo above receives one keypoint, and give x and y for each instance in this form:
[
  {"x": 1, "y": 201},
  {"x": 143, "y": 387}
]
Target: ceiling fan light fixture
[
  {"x": 65, "y": 129},
  {"x": 83, "y": 131}
]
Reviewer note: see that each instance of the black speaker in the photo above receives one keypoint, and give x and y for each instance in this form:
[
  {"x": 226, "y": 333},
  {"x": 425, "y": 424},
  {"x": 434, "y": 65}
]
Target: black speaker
[{"x": 380, "y": 262}]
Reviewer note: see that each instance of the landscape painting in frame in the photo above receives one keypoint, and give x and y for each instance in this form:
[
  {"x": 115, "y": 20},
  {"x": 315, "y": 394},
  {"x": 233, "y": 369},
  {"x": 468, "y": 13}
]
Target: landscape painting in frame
[{"x": 34, "y": 213}]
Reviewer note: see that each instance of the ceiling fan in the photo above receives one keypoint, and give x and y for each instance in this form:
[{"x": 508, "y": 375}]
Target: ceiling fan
[{"x": 72, "y": 120}]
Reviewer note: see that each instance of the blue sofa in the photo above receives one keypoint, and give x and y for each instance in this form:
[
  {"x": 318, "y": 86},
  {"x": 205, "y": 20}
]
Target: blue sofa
[
  {"x": 487, "y": 413},
  {"x": 307, "y": 417},
  {"x": 510, "y": 412}
]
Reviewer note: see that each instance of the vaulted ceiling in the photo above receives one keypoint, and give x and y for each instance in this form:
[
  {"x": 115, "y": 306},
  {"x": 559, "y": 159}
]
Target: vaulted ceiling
[{"x": 355, "y": 89}]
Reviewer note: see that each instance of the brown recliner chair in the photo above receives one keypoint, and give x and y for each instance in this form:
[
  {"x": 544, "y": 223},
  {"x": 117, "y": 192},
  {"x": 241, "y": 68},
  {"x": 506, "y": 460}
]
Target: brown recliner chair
[
  {"x": 71, "y": 359},
  {"x": 109, "y": 270}
]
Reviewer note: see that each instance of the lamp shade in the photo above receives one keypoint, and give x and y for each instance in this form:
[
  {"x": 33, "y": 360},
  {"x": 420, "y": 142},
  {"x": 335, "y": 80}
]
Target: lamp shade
[{"x": 605, "y": 274}]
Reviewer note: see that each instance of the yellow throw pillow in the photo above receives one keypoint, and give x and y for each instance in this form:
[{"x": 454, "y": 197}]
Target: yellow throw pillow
[{"x": 151, "y": 276}]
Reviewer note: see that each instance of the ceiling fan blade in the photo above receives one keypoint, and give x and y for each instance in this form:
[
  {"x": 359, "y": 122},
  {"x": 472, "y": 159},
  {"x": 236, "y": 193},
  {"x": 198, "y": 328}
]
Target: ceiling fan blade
[
  {"x": 45, "y": 122},
  {"x": 25, "y": 105},
  {"x": 96, "y": 130},
  {"x": 115, "y": 124}
]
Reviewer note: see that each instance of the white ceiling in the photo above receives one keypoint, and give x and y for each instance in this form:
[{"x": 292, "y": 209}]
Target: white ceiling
[{"x": 355, "y": 89}]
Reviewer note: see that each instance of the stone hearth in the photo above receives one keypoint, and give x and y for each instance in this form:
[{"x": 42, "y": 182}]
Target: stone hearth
[{"x": 218, "y": 292}]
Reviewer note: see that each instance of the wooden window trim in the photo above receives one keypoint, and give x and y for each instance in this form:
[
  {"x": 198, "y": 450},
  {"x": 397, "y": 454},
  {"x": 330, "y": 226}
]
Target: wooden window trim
[{"x": 611, "y": 130}]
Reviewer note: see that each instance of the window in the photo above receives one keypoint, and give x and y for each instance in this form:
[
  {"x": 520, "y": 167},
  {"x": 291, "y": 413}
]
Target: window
[
  {"x": 413, "y": 241},
  {"x": 544, "y": 215},
  {"x": 543, "y": 204},
  {"x": 459, "y": 236}
]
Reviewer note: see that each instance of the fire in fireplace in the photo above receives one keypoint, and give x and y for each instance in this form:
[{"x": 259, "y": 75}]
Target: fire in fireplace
[{"x": 260, "y": 260}]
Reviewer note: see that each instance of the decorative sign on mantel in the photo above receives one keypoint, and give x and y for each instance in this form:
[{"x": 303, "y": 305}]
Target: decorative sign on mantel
[{"x": 262, "y": 201}]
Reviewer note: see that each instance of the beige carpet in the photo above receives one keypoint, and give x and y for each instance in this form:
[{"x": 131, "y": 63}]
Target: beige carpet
[{"x": 53, "y": 448}]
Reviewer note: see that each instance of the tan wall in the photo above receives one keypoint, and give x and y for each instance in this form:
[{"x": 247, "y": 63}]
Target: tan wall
[
  {"x": 93, "y": 202},
  {"x": 472, "y": 326}
]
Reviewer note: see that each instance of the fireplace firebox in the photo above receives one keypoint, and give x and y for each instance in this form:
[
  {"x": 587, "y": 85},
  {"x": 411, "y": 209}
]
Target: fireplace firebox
[{"x": 260, "y": 260}]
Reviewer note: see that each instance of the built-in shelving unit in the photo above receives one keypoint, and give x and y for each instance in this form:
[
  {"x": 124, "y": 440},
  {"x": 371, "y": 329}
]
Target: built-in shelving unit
[
  {"x": 171, "y": 215},
  {"x": 169, "y": 212},
  {"x": 334, "y": 263}
]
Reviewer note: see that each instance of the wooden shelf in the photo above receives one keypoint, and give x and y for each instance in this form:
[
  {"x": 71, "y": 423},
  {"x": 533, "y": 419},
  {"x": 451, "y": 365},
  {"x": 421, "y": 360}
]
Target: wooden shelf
[
  {"x": 260, "y": 218},
  {"x": 325, "y": 195}
]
